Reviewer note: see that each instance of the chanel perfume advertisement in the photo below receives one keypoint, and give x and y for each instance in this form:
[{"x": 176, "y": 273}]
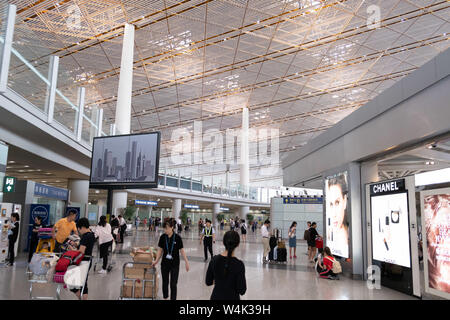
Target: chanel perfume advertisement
[
  {"x": 390, "y": 229},
  {"x": 436, "y": 215},
  {"x": 337, "y": 219}
]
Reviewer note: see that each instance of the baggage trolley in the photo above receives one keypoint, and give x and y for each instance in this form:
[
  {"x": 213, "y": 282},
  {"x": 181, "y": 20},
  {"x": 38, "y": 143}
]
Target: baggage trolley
[
  {"x": 111, "y": 261},
  {"x": 42, "y": 279},
  {"x": 144, "y": 281}
]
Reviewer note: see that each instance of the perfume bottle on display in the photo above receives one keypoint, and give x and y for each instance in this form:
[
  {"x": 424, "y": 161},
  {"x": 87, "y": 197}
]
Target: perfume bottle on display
[{"x": 395, "y": 216}]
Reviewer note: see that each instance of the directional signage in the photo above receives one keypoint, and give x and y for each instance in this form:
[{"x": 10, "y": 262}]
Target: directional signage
[
  {"x": 145, "y": 203},
  {"x": 191, "y": 206},
  {"x": 224, "y": 209},
  {"x": 9, "y": 184}
]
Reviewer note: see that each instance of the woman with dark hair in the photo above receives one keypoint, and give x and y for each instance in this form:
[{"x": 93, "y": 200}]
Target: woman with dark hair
[
  {"x": 105, "y": 240},
  {"x": 327, "y": 267},
  {"x": 293, "y": 239},
  {"x": 13, "y": 233},
  {"x": 226, "y": 272},
  {"x": 170, "y": 246}
]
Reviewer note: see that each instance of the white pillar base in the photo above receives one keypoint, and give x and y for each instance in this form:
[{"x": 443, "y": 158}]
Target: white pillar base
[
  {"x": 176, "y": 208},
  {"x": 119, "y": 201},
  {"x": 79, "y": 190}
]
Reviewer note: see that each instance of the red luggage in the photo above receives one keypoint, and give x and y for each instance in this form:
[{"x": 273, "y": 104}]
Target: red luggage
[
  {"x": 319, "y": 243},
  {"x": 58, "y": 277},
  {"x": 68, "y": 258}
]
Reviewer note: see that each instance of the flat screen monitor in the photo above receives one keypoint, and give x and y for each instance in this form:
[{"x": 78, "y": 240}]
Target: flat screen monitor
[{"x": 125, "y": 161}]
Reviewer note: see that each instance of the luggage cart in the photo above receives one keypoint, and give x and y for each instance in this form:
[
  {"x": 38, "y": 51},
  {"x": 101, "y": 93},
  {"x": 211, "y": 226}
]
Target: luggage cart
[
  {"x": 42, "y": 279},
  {"x": 133, "y": 281},
  {"x": 111, "y": 261}
]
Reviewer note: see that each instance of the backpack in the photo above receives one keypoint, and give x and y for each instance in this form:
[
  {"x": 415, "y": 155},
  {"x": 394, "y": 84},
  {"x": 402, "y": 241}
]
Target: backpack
[
  {"x": 243, "y": 228},
  {"x": 306, "y": 235},
  {"x": 69, "y": 258},
  {"x": 336, "y": 266}
]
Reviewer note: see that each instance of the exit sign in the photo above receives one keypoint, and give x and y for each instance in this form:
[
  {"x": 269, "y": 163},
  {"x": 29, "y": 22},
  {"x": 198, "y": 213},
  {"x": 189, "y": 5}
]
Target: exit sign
[{"x": 9, "y": 184}]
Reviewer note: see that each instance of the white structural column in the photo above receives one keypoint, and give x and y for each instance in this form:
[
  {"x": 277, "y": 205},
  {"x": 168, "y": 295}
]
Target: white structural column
[
  {"x": 245, "y": 167},
  {"x": 216, "y": 211},
  {"x": 5, "y": 49},
  {"x": 123, "y": 108},
  {"x": 176, "y": 208},
  {"x": 243, "y": 211},
  {"x": 79, "y": 190}
]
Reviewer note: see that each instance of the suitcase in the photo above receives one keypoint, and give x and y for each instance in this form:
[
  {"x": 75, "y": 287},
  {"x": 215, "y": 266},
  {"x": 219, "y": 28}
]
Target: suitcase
[
  {"x": 273, "y": 242},
  {"x": 271, "y": 255},
  {"x": 319, "y": 243},
  {"x": 281, "y": 254}
]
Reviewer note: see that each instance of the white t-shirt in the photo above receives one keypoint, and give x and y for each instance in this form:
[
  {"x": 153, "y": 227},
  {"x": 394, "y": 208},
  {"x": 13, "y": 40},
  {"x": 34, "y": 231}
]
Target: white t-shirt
[
  {"x": 104, "y": 233},
  {"x": 122, "y": 221},
  {"x": 264, "y": 231}
]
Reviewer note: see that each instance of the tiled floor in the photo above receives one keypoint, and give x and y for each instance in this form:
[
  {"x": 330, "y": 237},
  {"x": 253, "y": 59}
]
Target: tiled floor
[{"x": 296, "y": 280}]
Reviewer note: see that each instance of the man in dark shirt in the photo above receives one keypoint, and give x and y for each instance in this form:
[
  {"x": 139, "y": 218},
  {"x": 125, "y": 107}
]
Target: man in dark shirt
[
  {"x": 87, "y": 242},
  {"x": 313, "y": 234},
  {"x": 170, "y": 245},
  {"x": 34, "y": 236},
  {"x": 13, "y": 234}
]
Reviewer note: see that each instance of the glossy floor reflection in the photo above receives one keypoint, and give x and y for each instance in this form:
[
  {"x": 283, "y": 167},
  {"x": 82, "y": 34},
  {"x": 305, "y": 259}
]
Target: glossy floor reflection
[{"x": 294, "y": 281}]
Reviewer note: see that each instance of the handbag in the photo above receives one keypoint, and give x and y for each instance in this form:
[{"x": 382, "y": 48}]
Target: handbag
[{"x": 75, "y": 276}]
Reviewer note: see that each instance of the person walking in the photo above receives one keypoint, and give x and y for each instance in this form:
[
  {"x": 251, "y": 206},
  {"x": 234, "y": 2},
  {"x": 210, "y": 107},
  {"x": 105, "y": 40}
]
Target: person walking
[
  {"x": 86, "y": 246},
  {"x": 13, "y": 234},
  {"x": 293, "y": 239},
  {"x": 232, "y": 224},
  {"x": 226, "y": 272},
  {"x": 122, "y": 228},
  {"x": 105, "y": 240},
  {"x": 243, "y": 230},
  {"x": 170, "y": 246},
  {"x": 179, "y": 225},
  {"x": 63, "y": 228},
  {"x": 265, "y": 240},
  {"x": 253, "y": 226},
  {"x": 34, "y": 237},
  {"x": 145, "y": 224},
  {"x": 137, "y": 222},
  {"x": 208, "y": 237},
  {"x": 312, "y": 241}
]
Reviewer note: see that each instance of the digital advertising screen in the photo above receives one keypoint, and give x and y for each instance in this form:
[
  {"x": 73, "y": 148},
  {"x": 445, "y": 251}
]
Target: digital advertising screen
[
  {"x": 125, "y": 161},
  {"x": 390, "y": 229},
  {"x": 436, "y": 234},
  {"x": 336, "y": 214}
]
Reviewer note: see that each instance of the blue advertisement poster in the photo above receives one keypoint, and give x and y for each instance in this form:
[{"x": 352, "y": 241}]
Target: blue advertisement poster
[
  {"x": 77, "y": 209},
  {"x": 38, "y": 210}
]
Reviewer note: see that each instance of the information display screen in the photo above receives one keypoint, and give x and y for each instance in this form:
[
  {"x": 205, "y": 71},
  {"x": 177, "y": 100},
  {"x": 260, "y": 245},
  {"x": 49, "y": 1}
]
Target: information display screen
[
  {"x": 336, "y": 214},
  {"x": 436, "y": 217},
  {"x": 390, "y": 229},
  {"x": 125, "y": 161}
]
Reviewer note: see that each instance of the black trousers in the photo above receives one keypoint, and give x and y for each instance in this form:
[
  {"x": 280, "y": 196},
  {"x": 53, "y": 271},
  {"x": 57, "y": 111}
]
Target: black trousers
[
  {"x": 170, "y": 270},
  {"x": 207, "y": 246},
  {"x": 11, "y": 251},
  {"x": 122, "y": 233},
  {"x": 32, "y": 249},
  {"x": 104, "y": 251}
]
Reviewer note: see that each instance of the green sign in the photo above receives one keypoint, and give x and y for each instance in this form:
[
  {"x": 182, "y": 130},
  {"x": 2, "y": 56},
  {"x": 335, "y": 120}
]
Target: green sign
[{"x": 9, "y": 184}]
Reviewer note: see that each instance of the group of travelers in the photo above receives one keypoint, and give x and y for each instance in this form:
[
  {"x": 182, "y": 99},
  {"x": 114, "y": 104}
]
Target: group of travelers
[
  {"x": 153, "y": 223},
  {"x": 326, "y": 265}
]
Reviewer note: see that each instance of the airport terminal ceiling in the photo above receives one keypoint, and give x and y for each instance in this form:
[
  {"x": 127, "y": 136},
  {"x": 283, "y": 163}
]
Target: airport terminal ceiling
[{"x": 299, "y": 66}]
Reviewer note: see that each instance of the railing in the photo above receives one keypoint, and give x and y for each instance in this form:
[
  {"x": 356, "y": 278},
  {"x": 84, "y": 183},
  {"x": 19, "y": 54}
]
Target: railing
[
  {"x": 44, "y": 84},
  {"x": 178, "y": 182}
]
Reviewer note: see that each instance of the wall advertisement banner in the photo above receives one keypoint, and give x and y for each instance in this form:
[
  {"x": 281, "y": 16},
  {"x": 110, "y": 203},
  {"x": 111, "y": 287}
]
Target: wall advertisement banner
[
  {"x": 436, "y": 240},
  {"x": 336, "y": 214}
]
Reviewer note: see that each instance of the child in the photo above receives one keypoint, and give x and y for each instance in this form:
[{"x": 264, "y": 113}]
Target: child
[{"x": 45, "y": 247}]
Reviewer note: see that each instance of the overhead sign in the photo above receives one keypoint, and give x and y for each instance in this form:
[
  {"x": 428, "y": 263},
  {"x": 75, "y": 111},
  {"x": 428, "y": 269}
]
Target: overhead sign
[
  {"x": 191, "y": 206},
  {"x": 50, "y": 192},
  {"x": 145, "y": 203},
  {"x": 387, "y": 187},
  {"x": 308, "y": 200},
  {"x": 224, "y": 209},
  {"x": 9, "y": 184}
]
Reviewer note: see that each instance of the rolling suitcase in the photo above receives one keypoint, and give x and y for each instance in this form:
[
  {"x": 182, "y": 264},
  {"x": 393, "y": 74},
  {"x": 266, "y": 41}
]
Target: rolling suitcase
[{"x": 281, "y": 255}]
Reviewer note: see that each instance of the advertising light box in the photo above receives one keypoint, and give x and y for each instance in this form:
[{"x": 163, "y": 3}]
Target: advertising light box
[
  {"x": 336, "y": 213},
  {"x": 436, "y": 240},
  {"x": 125, "y": 161},
  {"x": 390, "y": 229}
]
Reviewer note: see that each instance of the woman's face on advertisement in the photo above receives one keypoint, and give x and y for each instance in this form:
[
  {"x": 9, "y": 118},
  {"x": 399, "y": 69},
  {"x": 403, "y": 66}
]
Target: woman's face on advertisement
[{"x": 337, "y": 203}]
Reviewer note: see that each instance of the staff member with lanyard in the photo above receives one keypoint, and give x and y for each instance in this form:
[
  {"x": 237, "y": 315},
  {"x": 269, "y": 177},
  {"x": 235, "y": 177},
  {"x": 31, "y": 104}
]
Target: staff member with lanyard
[
  {"x": 170, "y": 245},
  {"x": 265, "y": 239},
  {"x": 208, "y": 236}
]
